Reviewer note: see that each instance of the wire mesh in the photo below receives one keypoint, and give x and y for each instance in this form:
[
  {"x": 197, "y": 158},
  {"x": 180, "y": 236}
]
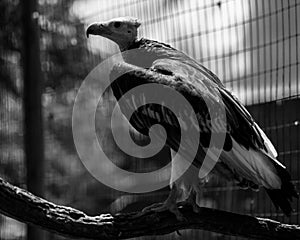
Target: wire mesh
[{"x": 252, "y": 45}]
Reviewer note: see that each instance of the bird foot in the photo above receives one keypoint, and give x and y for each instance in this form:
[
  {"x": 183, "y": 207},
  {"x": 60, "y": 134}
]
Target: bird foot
[
  {"x": 161, "y": 207},
  {"x": 193, "y": 204},
  {"x": 153, "y": 207},
  {"x": 191, "y": 201}
]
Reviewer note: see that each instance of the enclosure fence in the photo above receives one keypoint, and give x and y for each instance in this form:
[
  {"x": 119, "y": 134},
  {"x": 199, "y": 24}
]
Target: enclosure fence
[{"x": 253, "y": 46}]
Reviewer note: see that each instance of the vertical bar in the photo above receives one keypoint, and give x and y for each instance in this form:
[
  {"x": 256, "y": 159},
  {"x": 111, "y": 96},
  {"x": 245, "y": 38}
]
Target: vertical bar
[
  {"x": 277, "y": 50},
  {"x": 290, "y": 87},
  {"x": 207, "y": 32},
  {"x": 259, "y": 73},
  {"x": 251, "y": 52},
  {"x": 289, "y": 48},
  {"x": 270, "y": 108},
  {"x": 297, "y": 92},
  {"x": 245, "y": 53},
  {"x": 230, "y": 51},
  {"x": 33, "y": 126},
  {"x": 205, "y": 49},
  {"x": 276, "y": 78},
  {"x": 284, "y": 156},
  {"x": 265, "y": 52},
  {"x": 176, "y": 27},
  {"x": 271, "y": 52},
  {"x": 237, "y": 53},
  {"x": 283, "y": 49},
  {"x": 297, "y": 47},
  {"x": 214, "y": 56}
]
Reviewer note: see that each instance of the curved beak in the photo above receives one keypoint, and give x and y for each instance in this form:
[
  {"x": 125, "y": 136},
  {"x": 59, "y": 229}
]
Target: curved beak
[{"x": 98, "y": 29}]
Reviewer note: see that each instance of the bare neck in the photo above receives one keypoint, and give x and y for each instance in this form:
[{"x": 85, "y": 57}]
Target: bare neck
[{"x": 124, "y": 46}]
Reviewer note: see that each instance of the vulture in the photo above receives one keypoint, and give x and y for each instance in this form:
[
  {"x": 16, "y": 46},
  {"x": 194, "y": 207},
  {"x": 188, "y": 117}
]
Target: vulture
[{"x": 247, "y": 156}]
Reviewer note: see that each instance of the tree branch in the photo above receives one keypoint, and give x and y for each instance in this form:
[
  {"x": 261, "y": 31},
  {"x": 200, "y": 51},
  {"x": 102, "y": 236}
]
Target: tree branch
[{"x": 24, "y": 206}]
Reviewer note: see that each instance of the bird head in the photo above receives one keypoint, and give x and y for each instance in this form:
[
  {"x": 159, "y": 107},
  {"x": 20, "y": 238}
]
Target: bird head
[{"x": 122, "y": 31}]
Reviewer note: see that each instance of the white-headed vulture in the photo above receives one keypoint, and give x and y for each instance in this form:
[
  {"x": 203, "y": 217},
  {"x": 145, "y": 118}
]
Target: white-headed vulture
[{"x": 247, "y": 155}]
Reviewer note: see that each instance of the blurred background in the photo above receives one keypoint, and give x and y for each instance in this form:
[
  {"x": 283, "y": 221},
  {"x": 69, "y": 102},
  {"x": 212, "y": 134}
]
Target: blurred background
[{"x": 252, "y": 45}]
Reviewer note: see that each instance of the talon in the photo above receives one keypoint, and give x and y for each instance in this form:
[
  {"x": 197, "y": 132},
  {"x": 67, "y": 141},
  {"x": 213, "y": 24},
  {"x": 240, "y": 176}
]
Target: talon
[
  {"x": 152, "y": 207},
  {"x": 156, "y": 207},
  {"x": 191, "y": 201},
  {"x": 180, "y": 217},
  {"x": 169, "y": 205},
  {"x": 174, "y": 209},
  {"x": 196, "y": 209}
]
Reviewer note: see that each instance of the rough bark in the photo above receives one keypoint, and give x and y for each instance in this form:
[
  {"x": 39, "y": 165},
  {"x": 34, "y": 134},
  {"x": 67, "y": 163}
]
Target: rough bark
[{"x": 24, "y": 206}]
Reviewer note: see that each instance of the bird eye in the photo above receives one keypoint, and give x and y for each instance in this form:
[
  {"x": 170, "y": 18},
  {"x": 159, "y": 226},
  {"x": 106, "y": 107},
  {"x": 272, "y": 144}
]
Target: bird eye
[{"x": 117, "y": 24}]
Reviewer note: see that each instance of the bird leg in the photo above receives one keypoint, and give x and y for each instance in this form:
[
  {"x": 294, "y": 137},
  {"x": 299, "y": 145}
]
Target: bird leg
[
  {"x": 170, "y": 204},
  {"x": 191, "y": 200}
]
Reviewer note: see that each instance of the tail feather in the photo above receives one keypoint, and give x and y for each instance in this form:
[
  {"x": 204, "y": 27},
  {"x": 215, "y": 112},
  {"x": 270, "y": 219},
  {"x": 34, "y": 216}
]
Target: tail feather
[
  {"x": 280, "y": 200},
  {"x": 283, "y": 197}
]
